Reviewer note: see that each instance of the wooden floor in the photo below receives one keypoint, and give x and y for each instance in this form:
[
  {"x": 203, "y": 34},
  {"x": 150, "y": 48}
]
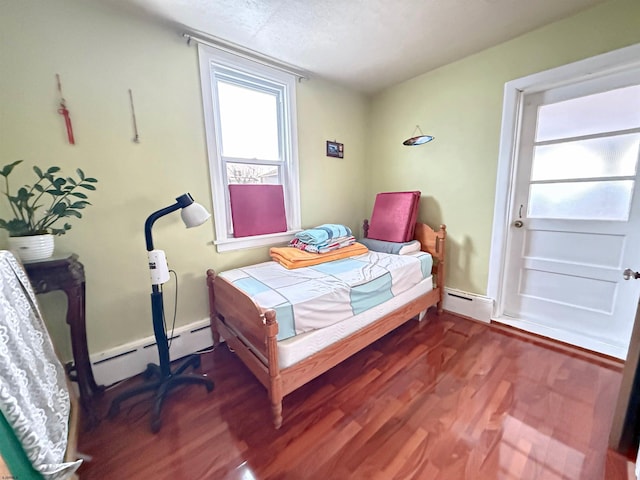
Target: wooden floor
[{"x": 447, "y": 398}]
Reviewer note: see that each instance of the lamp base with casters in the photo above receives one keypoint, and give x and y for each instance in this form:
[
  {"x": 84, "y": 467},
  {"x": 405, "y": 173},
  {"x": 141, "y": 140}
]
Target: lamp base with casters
[{"x": 162, "y": 386}]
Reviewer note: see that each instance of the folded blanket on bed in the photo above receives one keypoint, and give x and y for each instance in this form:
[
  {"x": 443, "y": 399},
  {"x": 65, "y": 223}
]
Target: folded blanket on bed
[
  {"x": 397, "y": 248},
  {"x": 322, "y": 233},
  {"x": 325, "y": 247},
  {"x": 290, "y": 257}
]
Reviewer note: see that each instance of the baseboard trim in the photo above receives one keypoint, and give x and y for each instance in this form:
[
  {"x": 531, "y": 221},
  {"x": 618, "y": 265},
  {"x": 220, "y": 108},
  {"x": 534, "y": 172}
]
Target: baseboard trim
[
  {"x": 590, "y": 355},
  {"x": 125, "y": 361},
  {"x": 570, "y": 338},
  {"x": 468, "y": 305}
]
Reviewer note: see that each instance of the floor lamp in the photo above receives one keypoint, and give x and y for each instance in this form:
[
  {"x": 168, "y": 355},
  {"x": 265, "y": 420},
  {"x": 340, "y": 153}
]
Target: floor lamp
[{"x": 193, "y": 214}]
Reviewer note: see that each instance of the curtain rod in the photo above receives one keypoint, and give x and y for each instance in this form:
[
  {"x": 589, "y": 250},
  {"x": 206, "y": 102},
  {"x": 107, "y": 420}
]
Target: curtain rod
[{"x": 248, "y": 54}]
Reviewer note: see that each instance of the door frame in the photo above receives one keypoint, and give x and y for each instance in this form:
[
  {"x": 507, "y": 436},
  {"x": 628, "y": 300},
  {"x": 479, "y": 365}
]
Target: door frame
[{"x": 616, "y": 61}]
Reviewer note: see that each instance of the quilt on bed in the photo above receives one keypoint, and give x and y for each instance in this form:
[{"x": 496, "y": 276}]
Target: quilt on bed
[{"x": 314, "y": 297}]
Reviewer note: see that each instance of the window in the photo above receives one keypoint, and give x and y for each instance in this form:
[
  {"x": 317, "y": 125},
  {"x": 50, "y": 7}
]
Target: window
[
  {"x": 585, "y": 156},
  {"x": 250, "y": 121}
]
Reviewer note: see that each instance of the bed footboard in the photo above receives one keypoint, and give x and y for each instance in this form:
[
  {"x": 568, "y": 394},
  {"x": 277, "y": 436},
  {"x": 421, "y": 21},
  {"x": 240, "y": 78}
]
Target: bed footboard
[{"x": 251, "y": 332}]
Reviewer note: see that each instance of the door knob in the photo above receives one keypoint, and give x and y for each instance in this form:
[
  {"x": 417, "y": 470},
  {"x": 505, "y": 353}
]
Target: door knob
[
  {"x": 628, "y": 274},
  {"x": 518, "y": 224}
]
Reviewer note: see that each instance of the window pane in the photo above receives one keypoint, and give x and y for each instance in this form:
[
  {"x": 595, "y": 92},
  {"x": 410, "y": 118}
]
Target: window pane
[
  {"x": 243, "y": 173},
  {"x": 249, "y": 122},
  {"x": 609, "y": 200},
  {"x": 603, "y": 112},
  {"x": 599, "y": 157}
]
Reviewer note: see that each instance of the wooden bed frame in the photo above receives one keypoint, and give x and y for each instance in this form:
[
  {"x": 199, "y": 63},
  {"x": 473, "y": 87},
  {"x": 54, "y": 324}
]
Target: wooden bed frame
[{"x": 247, "y": 328}]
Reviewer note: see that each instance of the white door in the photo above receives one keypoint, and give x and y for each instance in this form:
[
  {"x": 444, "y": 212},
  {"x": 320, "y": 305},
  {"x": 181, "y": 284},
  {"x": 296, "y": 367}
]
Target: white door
[{"x": 575, "y": 222}]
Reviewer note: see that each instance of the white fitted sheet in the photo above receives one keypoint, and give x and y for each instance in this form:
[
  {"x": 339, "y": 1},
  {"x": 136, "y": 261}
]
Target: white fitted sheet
[{"x": 294, "y": 349}]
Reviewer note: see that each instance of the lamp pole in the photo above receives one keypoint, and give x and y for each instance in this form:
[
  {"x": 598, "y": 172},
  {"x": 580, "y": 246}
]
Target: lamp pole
[{"x": 158, "y": 262}]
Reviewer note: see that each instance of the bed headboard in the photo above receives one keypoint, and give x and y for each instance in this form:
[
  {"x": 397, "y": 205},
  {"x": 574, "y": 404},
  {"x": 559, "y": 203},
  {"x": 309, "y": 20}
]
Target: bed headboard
[{"x": 433, "y": 242}]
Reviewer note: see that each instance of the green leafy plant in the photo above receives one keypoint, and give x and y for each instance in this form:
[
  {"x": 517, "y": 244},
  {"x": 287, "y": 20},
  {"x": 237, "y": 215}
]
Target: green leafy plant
[{"x": 37, "y": 208}]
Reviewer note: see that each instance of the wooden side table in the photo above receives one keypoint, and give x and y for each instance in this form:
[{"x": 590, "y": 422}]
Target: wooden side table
[{"x": 64, "y": 272}]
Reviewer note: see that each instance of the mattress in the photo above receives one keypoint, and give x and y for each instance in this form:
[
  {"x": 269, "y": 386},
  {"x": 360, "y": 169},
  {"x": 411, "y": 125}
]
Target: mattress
[
  {"x": 294, "y": 349},
  {"x": 315, "y": 297}
]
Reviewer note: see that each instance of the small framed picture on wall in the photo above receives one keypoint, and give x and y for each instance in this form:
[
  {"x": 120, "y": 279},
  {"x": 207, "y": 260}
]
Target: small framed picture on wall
[{"x": 335, "y": 149}]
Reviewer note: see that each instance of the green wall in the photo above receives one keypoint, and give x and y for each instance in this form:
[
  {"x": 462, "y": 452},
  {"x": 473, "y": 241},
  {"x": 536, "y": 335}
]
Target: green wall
[
  {"x": 461, "y": 105},
  {"x": 100, "y": 54}
]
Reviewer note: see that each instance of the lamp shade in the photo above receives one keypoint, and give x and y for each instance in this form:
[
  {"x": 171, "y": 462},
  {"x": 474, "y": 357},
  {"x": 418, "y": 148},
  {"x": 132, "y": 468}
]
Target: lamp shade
[{"x": 194, "y": 215}]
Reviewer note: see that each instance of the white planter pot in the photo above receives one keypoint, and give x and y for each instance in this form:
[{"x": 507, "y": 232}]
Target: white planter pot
[{"x": 34, "y": 247}]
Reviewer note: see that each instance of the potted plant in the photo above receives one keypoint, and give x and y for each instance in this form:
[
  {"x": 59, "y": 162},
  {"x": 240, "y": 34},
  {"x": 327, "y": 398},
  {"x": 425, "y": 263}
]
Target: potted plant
[{"x": 38, "y": 209}]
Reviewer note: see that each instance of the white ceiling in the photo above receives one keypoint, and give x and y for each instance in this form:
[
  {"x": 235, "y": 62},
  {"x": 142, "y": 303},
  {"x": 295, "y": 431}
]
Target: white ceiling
[{"x": 364, "y": 44}]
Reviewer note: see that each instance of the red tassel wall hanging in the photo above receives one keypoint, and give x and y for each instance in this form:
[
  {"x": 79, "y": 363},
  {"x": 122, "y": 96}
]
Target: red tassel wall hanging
[{"x": 65, "y": 113}]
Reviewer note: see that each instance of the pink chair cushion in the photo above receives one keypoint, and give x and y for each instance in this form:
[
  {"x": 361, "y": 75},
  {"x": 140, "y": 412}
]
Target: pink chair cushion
[
  {"x": 394, "y": 216},
  {"x": 257, "y": 209}
]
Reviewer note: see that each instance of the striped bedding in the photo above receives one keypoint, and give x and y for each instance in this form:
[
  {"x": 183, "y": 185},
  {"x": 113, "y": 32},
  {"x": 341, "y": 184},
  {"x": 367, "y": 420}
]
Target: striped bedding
[{"x": 314, "y": 297}]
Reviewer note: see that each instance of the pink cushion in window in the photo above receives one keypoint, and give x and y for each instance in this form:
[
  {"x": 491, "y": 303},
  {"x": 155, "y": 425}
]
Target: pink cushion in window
[{"x": 257, "y": 209}]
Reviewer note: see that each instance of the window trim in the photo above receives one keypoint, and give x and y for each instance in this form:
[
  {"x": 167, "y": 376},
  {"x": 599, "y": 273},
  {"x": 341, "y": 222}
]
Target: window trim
[{"x": 208, "y": 58}]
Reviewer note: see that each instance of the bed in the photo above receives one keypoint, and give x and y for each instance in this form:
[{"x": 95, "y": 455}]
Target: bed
[{"x": 284, "y": 365}]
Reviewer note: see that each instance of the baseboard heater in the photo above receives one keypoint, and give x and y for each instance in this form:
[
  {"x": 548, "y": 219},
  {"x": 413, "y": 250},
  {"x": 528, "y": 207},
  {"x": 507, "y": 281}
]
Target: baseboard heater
[
  {"x": 127, "y": 360},
  {"x": 467, "y": 304}
]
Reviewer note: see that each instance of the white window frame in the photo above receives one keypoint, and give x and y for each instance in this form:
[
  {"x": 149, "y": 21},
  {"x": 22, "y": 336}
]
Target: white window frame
[{"x": 211, "y": 58}]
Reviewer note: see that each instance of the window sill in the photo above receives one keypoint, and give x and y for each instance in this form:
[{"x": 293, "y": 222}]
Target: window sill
[{"x": 272, "y": 239}]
